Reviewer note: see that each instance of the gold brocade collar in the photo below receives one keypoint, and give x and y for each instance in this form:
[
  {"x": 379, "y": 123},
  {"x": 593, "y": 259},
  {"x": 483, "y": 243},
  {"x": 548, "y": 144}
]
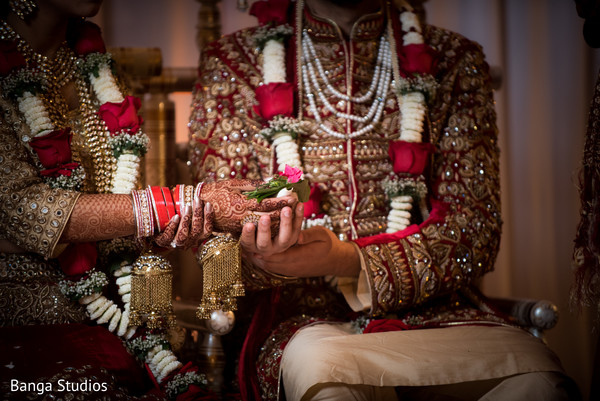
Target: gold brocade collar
[{"x": 368, "y": 26}]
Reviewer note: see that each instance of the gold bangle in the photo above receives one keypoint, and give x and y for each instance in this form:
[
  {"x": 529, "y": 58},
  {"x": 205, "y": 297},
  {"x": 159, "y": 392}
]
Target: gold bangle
[
  {"x": 250, "y": 218},
  {"x": 281, "y": 276},
  {"x": 144, "y": 216}
]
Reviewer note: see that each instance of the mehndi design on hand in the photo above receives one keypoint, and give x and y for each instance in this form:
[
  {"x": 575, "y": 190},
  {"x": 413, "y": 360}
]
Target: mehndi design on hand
[
  {"x": 231, "y": 206},
  {"x": 190, "y": 230}
]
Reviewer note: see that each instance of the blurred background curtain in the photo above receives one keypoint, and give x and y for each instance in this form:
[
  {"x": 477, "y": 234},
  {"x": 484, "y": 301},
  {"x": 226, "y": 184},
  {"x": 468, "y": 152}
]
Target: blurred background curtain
[{"x": 547, "y": 73}]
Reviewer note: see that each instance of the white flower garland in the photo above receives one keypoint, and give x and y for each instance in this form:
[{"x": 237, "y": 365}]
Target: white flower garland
[
  {"x": 104, "y": 85},
  {"x": 413, "y": 110},
  {"x": 273, "y": 62},
  {"x": 38, "y": 120},
  {"x": 35, "y": 114},
  {"x": 127, "y": 147},
  {"x": 160, "y": 359},
  {"x": 282, "y": 131},
  {"x": 88, "y": 291},
  {"x": 401, "y": 205},
  {"x": 84, "y": 288},
  {"x": 161, "y": 363},
  {"x": 154, "y": 350},
  {"x": 413, "y": 106},
  {"x": 72, "y": 182},
  {"x": 265, "y": 33},
  {"x": 126, "y": 175},
  {"x": 99, "y": 307},
  {"x": 25, "y": 85},
  {"x": 128, "y": 163}
]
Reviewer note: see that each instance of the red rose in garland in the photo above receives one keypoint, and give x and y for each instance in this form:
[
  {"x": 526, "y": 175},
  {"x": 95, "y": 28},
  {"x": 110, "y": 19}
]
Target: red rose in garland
[
  {"x": 276, "y": 98},
  {"x": 410, "y": 157},
  {"x": 53, "y": 149},
  {"x": 89, "y": 39},
  {"x": 122, "y": 116},
  {"x": 383, "y": 325},
  {"x": 270, "y": 11},
  {"x": 312, "y": 208},
  {"x": 78, "y": 259},
  {"x": 10, "y": 58},
  {"x": 417, "y": 59},
  {"x": 64, "y": 169}
]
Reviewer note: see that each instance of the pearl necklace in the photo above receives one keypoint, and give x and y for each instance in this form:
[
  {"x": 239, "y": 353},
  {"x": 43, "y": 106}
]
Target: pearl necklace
[
  {"x": 312, "y": 69},
  {"x": 411, "y": 102}
]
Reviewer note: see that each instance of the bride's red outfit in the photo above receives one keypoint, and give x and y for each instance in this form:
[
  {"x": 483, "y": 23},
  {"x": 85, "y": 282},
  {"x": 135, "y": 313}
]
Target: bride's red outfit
[{"x": 53, "y": 155}]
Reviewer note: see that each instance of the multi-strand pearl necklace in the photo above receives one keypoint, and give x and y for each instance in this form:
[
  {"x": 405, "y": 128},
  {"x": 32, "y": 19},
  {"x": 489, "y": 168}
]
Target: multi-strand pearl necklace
[
  {"x": 380, "y": 83},
  {"x": 411, "y": 100}
]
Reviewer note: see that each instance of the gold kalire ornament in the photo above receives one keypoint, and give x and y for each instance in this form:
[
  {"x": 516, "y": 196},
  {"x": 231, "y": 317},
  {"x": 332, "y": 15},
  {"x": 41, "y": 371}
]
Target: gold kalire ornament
[
  {"x": 151, "y": 292},
  {"x": 221, "y": 261}
]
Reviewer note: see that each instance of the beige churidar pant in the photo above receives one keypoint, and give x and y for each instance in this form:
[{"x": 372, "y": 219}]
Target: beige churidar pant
[{"x": 330, "y": 362}]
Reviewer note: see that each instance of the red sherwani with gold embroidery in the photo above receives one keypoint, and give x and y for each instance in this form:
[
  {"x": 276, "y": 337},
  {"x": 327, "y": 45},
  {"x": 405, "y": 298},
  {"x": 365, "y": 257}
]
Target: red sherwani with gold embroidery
[{"x": 422, "y": 275}]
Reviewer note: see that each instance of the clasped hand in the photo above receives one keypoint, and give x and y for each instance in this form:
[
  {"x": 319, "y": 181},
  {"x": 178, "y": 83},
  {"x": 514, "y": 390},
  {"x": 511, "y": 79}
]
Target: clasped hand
[
  {"x": 221, "y": 206},
  {"x": 273, "y": 240},
  {"x": 294, "y": 252}
]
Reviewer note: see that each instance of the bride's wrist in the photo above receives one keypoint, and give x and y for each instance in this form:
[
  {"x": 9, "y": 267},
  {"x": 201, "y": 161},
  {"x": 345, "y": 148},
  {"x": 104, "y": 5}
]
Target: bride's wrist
[{"x": 155, "y": 206}]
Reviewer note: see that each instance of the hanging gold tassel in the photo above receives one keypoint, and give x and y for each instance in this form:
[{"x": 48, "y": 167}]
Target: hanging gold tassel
[
  {"x": 221, "y": 262},
  {"x": 151, "y": 292}
]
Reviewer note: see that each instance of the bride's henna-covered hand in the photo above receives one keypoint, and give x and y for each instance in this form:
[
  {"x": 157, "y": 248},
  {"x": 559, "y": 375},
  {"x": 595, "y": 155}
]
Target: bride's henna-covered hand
[
  {"x": 98, "y": 217},
  {"x": 189, "y": 230},
  {"x": 231, "y": 205}
]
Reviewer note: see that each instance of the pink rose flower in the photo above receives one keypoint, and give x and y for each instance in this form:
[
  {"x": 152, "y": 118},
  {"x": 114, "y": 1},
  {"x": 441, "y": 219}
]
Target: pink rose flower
[{"x": 292, "y": 174}]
